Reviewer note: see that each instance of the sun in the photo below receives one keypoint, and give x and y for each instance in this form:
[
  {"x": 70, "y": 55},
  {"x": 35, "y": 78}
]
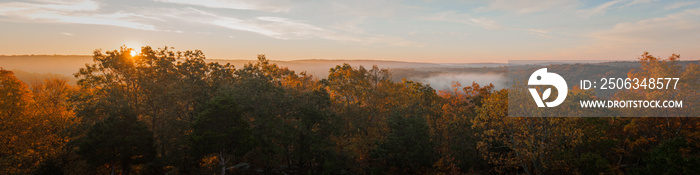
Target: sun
[
  {"x": 134, "y": 52},
  {"x": 134, "y": 46}
]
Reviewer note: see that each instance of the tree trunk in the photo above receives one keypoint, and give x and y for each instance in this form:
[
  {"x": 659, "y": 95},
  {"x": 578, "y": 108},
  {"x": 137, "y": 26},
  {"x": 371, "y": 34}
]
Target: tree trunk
[
  {"x": 111, "y": 171},
  {"x": 222, "y": 163}
]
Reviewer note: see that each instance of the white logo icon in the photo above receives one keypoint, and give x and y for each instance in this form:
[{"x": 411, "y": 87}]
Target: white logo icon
[{"x": 542, "y": 77}]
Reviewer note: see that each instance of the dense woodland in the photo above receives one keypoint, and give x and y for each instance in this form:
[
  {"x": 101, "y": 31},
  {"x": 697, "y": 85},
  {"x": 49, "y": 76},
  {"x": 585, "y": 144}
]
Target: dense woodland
[{"x": 168, "y": 112}]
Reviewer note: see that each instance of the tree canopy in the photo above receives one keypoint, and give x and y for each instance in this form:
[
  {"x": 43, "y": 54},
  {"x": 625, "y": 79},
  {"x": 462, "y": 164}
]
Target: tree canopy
[{"x": 172, "y": 112}]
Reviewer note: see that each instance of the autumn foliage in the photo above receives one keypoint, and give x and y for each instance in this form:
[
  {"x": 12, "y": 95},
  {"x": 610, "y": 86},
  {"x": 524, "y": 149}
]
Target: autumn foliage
[{"x": 167, "y": 112}]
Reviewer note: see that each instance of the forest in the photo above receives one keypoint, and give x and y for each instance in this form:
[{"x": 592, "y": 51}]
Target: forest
[{"x": 163, "y": 111}]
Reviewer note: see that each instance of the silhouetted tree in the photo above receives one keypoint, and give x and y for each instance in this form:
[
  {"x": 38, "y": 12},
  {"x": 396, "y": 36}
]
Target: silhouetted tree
[
  {"x": 221, "y": 129},
  {"x": 118, "y": 141}
]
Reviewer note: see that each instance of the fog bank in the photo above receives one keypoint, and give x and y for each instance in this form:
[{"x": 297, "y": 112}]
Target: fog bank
[{"x": 444, "y": 81}]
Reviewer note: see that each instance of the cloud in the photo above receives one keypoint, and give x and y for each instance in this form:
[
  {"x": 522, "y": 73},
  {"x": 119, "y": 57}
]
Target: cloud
[
  {"x": 258, "y": 5},
  {"x": 452, "y": 16},
  {"x": 351, "y": 26},
  {"x": 274, "y": 27},
  {"x": 281, "y": 28},
  {"x": 673, "y": 26},
  {"x": 527, "y": 6},
  {"x": 635, "y": 2},
  {"x": 76, "y": 12},
  {"x": 65, "y": 6},
  {"x": 668, "y": 34},
  {"x": 678, "y": 5},
  {"x": 364, "y": 8},
  {"x": 66, "y": 33},
  {"x": 602, "y": 8},
  {"x": 91, "y": 12}
]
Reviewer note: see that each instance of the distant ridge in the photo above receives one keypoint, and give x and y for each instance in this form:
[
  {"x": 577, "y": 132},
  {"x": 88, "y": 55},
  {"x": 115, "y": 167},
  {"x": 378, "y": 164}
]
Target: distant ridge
[
  {"x": 55, "y": 64},
  {"x": 353, "y": 60},
  {"x": 439, "y": 75},
  {"x": 54, "y": 55},
  {"x": 69, "y": 64}
]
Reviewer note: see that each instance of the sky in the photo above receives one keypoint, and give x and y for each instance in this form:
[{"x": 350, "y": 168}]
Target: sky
[{"x": 416, "y": 31}]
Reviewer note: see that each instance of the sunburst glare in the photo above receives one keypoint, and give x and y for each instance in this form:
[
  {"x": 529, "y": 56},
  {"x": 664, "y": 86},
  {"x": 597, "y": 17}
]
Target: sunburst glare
[{"x": 134, "y": 52}]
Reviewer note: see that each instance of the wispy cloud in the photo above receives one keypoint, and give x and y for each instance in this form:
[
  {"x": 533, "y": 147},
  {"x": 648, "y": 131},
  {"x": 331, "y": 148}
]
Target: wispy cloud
[
  {"x": 274, "y": 27},
  {"x": 604, "y": 7},
  {"x": 632, "y": 24},
  {"x": 452, "y": 16},
  {"x": 679, "y": 5},
  {"x": 527, "y": 6},
  {"x": 64, "y": 6},
  {"x": 599, "y": 10},
  {"x": 90, "y": 12},
  {"x": 661, "y": 30},
  {"x": 281, "y": 28},
  {"x": 259, "y": 5},
  {"x": 635, "y": 2},
  {"x": 77, "y": 12}
]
